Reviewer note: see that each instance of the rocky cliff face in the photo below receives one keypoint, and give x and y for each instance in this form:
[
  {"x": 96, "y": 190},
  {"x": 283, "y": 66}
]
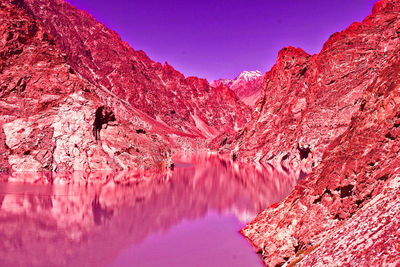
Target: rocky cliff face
[
  {"x": 188, "y": 105},
  {"x": 352, "y": 196},
  {"x": 346, "y": 211},
  {"x": 308, "y": 100},
  {"x": 247, "y": 86},
  {"x": 52, "y": 119}
]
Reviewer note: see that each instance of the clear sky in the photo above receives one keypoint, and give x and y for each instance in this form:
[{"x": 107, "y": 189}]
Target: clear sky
[{"x": 218, "y": 39}]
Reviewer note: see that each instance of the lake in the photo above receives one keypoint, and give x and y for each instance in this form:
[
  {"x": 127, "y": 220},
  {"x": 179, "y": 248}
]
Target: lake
[{"x": 190, "y": 216}]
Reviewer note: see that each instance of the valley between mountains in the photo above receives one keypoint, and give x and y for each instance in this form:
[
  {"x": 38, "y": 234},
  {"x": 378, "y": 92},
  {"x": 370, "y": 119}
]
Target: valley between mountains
[{"x": 75, "y": 98}]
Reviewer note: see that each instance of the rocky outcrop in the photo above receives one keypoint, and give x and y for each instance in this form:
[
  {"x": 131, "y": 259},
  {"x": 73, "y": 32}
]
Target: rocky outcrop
[
  {"x": 247, "y": 86},
  {"x": 308, "y": 100},
  {"x": 187, "y": 105},
  {"x": 346, "y": 211},
  {"x": 47, "y": 111}
]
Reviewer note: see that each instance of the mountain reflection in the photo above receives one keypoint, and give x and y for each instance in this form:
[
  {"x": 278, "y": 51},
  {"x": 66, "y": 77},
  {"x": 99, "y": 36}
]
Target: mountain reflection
[{"x": 82, "y": 224}]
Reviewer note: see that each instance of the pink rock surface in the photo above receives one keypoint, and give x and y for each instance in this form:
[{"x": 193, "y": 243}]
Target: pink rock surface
[
  {"x": 346, "y": 211},
  {"x": 247, "y": 86}
]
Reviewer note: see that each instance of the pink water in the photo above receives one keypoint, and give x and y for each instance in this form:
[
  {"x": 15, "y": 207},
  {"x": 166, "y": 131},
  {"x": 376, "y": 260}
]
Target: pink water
[{"x": 191, "y": 217}]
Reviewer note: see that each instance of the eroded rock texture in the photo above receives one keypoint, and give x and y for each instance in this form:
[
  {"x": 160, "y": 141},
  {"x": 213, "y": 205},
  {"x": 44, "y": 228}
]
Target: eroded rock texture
[
  {"x": 308, "y": 100},
  {"x": 346, "y": 211},
  {"x": 47, "y": 111}
]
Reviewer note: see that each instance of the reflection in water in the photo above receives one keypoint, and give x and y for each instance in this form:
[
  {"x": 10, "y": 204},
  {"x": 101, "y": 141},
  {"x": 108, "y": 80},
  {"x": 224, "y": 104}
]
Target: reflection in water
[{"x": 105, "y": 223}]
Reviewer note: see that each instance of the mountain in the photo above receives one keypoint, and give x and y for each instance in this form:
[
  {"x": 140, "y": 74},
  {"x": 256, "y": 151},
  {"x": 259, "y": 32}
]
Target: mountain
[
  {"x": 340, "y": 111},
  {"x": 52, "y": 119},
  {"x": 247, "y": 86},
  {"x": 308, "y": 100},
  {"x": 74, "y": 96},
  {"x": 188, "y": 105},
  {"x": 346, "y": 212}
]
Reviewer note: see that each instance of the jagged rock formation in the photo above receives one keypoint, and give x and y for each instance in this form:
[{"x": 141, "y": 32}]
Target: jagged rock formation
[
  {"x": 188, "y": 105},
  {"x": 308, "y": 100},
  {"x": 346, "y": 212},
  {"x": 247, "y": 86},
  {"x": 75, "y": 97}
]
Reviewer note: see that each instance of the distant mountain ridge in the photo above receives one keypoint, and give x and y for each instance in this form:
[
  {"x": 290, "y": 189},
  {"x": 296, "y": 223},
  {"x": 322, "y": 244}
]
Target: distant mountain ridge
[{"x": 247, "y": 86}]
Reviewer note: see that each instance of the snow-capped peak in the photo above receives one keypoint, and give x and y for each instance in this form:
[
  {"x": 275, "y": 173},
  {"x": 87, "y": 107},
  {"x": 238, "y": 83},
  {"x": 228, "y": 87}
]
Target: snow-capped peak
[
  {"x": 247, "y": 86},
  {"x": 249, "y": 75}
]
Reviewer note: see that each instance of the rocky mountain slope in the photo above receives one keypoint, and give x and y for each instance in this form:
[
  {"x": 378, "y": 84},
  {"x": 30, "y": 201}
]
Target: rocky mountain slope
[
  {"x": 49, "y": 115},
  {"x": 247, "y": 86},
  {"x": 346, "y": 212},
  {"x": 75, "y": 97},
  {"x": 188, "y": 105},
  {"x": 352, "y": 196},
  {"x": 308, "y": 100}
]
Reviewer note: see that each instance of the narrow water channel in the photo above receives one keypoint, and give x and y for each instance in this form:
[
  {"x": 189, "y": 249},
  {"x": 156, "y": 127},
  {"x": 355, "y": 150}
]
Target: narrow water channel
[{"x": 190, "y": 218}]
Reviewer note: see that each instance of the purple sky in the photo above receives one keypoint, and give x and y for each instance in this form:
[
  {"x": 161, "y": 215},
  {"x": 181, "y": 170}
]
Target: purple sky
[{"x": 218, "y": 39}]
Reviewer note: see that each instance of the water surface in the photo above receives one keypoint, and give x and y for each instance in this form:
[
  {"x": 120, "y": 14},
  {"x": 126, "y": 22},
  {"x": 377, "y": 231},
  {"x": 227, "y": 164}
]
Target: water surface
[{"x": 190, "y": 217}]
